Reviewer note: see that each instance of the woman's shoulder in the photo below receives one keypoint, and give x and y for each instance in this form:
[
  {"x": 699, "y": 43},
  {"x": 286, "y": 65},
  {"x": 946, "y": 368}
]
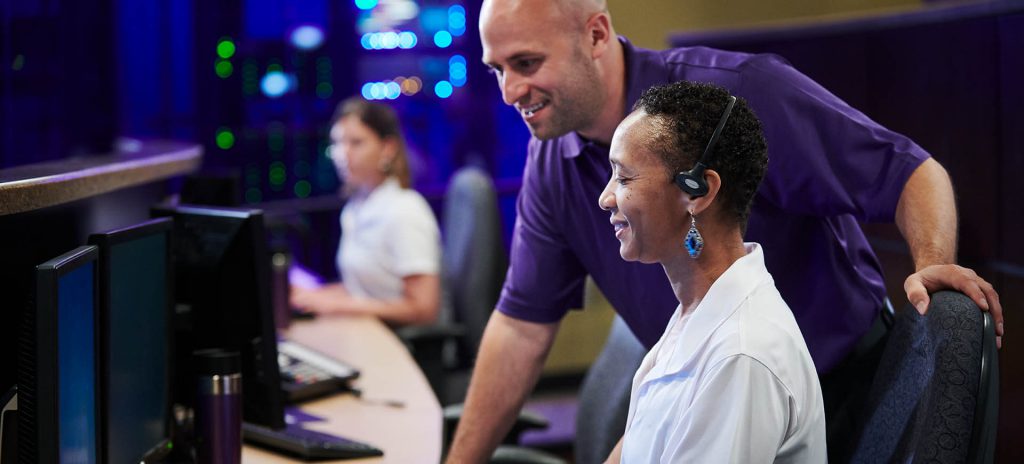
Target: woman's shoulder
[{"x": 406, "y": 204}]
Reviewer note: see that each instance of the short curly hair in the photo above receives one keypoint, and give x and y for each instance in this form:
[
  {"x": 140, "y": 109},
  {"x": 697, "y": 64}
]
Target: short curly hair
[{"x": 683, "y": 116}]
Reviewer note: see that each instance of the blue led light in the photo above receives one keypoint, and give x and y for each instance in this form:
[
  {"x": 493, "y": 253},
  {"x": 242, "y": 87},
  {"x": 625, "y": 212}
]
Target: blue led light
[
  {"x": 365, "y": 41},
  {"x": 368, "y": 91},
  {"x": 457, "y": 59},
  {"x": 407, "y": 40},
  {"x": 457, "y": 20},
  {"x": 274, "y": 84},
  {"x": 378, "y": 91},
  {"x": 443, "y": 39},
  {"x": 457, "y": 71},
  {"x": 366, "y": 4},
  {"x": 307, "y": 37},
  {"x": 443, "y": 89},
  {"x": 392, "y": 90},
  {"x": 389, "y": 40}
]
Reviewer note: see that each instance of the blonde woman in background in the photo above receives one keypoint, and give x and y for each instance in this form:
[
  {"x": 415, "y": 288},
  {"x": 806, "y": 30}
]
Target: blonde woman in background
[{"x": 390, "y": 252}]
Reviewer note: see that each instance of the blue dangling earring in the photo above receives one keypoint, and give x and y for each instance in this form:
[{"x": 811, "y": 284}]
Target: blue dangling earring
[{"x": 694, "y": 241}]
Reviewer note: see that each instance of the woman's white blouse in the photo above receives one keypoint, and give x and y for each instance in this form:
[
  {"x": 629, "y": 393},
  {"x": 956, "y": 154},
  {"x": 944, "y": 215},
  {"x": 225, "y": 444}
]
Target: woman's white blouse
[
  {"x": 731, "y": 381},
  {"x": 389, "y": 234}
]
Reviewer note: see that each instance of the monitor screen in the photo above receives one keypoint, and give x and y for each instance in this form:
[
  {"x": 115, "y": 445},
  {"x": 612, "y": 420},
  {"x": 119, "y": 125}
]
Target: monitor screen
[
  {"x": 134, "y": 284},
  {"x": 58, "y": 361},
  {"x": 222, "y": 300}
]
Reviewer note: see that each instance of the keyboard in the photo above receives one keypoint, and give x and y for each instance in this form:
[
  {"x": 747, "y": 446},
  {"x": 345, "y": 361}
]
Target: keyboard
[
  {"x": 307, "y": 374},
  {"x": 306, "y": 444}
]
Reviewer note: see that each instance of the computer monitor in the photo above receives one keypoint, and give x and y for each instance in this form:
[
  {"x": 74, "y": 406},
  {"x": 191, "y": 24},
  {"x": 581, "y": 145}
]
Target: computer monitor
[
  {"x": 135, "y": 338},
  {"x": 222, "y": 295},
  {"x": 57, "y": 364}
]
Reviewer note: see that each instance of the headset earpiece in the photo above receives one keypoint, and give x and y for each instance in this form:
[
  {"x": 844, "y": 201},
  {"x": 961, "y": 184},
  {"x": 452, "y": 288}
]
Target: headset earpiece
[{"x": 692, "y": 181}]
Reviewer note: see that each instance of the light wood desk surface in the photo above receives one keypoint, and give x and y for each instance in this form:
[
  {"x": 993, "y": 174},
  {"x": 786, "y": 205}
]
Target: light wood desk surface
[{"x": 410, "y": 434}]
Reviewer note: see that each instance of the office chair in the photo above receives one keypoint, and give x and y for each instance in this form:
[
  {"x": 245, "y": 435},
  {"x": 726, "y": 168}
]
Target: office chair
[
  {"x": 604, "y": 395},
  {"x": 473, "y": 269},
  {"x": 474, "y": 263},
  {"x": 935, "y": 396}
]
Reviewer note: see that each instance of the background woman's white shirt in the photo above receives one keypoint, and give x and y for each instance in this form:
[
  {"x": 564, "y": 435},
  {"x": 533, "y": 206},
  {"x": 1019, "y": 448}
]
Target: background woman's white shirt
[{"x": 387, "y": 235}]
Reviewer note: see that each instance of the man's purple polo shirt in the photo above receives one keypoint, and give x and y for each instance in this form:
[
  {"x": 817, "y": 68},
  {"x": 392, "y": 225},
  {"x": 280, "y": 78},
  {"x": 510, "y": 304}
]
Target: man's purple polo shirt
[{"x": 829, "y": 166}]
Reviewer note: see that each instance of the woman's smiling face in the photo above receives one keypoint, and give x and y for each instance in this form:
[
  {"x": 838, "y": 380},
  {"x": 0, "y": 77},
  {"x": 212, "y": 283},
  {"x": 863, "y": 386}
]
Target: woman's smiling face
[{"x": 647, "y": 209}]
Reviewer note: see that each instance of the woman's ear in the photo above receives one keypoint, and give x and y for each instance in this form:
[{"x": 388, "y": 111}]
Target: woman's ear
[
  {"x": 704, "y": 203},
  {"x": 389, "y": 151}
]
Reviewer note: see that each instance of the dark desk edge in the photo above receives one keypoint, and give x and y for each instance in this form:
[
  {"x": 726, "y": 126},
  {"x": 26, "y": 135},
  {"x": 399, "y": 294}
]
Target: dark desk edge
[{"x": 134, "y": 162}]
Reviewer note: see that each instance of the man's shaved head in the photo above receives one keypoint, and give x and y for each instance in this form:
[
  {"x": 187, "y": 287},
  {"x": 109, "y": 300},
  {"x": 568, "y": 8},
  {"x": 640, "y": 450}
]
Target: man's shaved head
[{"x": 569, "y": 11}]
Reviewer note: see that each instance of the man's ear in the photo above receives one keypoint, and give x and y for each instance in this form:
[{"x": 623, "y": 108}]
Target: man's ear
[
  {"x": 599, "y": 34},
  {"x": 704, "y": 203}
]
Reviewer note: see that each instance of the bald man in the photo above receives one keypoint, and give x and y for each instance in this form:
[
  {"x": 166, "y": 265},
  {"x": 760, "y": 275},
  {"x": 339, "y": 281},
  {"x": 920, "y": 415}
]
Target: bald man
[{"x": 572, "y": 79}]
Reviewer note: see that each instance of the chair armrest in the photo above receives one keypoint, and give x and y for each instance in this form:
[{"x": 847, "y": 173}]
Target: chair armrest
[
  {"x": 429, "y": 333},
  {"x": 506, "y": 454},
  {"x": 427, "y": 346},
  {"x": 526, "y": 420}
]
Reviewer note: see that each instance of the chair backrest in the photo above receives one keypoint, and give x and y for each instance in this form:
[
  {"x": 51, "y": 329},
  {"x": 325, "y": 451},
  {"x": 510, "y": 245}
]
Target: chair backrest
[
  {"x": 604, "y": 395},
  {"x": 935, "y": 395},
  {"x": 474, "y": 260}
]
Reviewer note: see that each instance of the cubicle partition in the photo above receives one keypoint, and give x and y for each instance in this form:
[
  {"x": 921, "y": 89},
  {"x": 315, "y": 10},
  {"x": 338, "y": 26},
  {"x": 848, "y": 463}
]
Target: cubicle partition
[{"x": 951, "y": 79}]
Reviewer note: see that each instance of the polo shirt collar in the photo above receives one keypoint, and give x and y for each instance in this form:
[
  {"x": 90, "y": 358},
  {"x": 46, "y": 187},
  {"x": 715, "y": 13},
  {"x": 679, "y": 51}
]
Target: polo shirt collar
[
  {"x": 643, "y": 70},
  {"x": 724, "y": 297}
]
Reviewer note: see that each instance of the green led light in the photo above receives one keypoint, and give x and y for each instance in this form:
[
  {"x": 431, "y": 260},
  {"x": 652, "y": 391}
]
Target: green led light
[
  {"x": 225, "y": 48},
  {"x": 274, "y": 67},
  {"x": 324, "y": 90},
  {"x": 303, "y": 189},
  {"x": 253, "y": 195},
  {"x": 225, "y": 138},
  {"x": 19, "y": 62},
  {"x": 223, "y": 68},
  {"x": 277, "y": 173}
]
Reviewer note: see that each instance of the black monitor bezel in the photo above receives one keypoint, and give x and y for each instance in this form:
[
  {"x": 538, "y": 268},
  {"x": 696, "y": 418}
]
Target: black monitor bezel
[
  {"x": 273, "y": 409},
  {"x": 105, "y": 241},
  {"x": 42, "y": 409}
]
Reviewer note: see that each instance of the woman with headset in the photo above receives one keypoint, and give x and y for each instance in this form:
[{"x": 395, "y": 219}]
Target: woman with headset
[{"x": 731, "y": 379}]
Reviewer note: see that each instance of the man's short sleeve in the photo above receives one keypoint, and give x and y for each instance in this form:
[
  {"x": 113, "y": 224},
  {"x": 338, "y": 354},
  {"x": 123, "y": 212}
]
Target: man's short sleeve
[
  {"x": 545, "y": 278},
  {"x": 825, "y": 157}
]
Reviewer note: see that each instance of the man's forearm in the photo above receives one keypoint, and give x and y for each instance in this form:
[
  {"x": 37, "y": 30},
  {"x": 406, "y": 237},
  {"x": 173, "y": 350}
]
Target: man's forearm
[
  {"x": 926, "y": 216},
  {"x": 512, "y": 353}
]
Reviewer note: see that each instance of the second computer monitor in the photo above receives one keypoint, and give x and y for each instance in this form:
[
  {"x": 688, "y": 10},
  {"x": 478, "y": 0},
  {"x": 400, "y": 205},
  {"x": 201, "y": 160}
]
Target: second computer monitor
[{"x": 135, "y": 338}]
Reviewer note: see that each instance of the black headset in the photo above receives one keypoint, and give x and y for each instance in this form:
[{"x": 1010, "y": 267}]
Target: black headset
[{"x": 692, "y": 181}]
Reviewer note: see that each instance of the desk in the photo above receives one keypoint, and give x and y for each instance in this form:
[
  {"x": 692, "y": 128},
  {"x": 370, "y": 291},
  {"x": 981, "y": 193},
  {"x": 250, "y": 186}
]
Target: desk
[{"x": 408, "y": 435}]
